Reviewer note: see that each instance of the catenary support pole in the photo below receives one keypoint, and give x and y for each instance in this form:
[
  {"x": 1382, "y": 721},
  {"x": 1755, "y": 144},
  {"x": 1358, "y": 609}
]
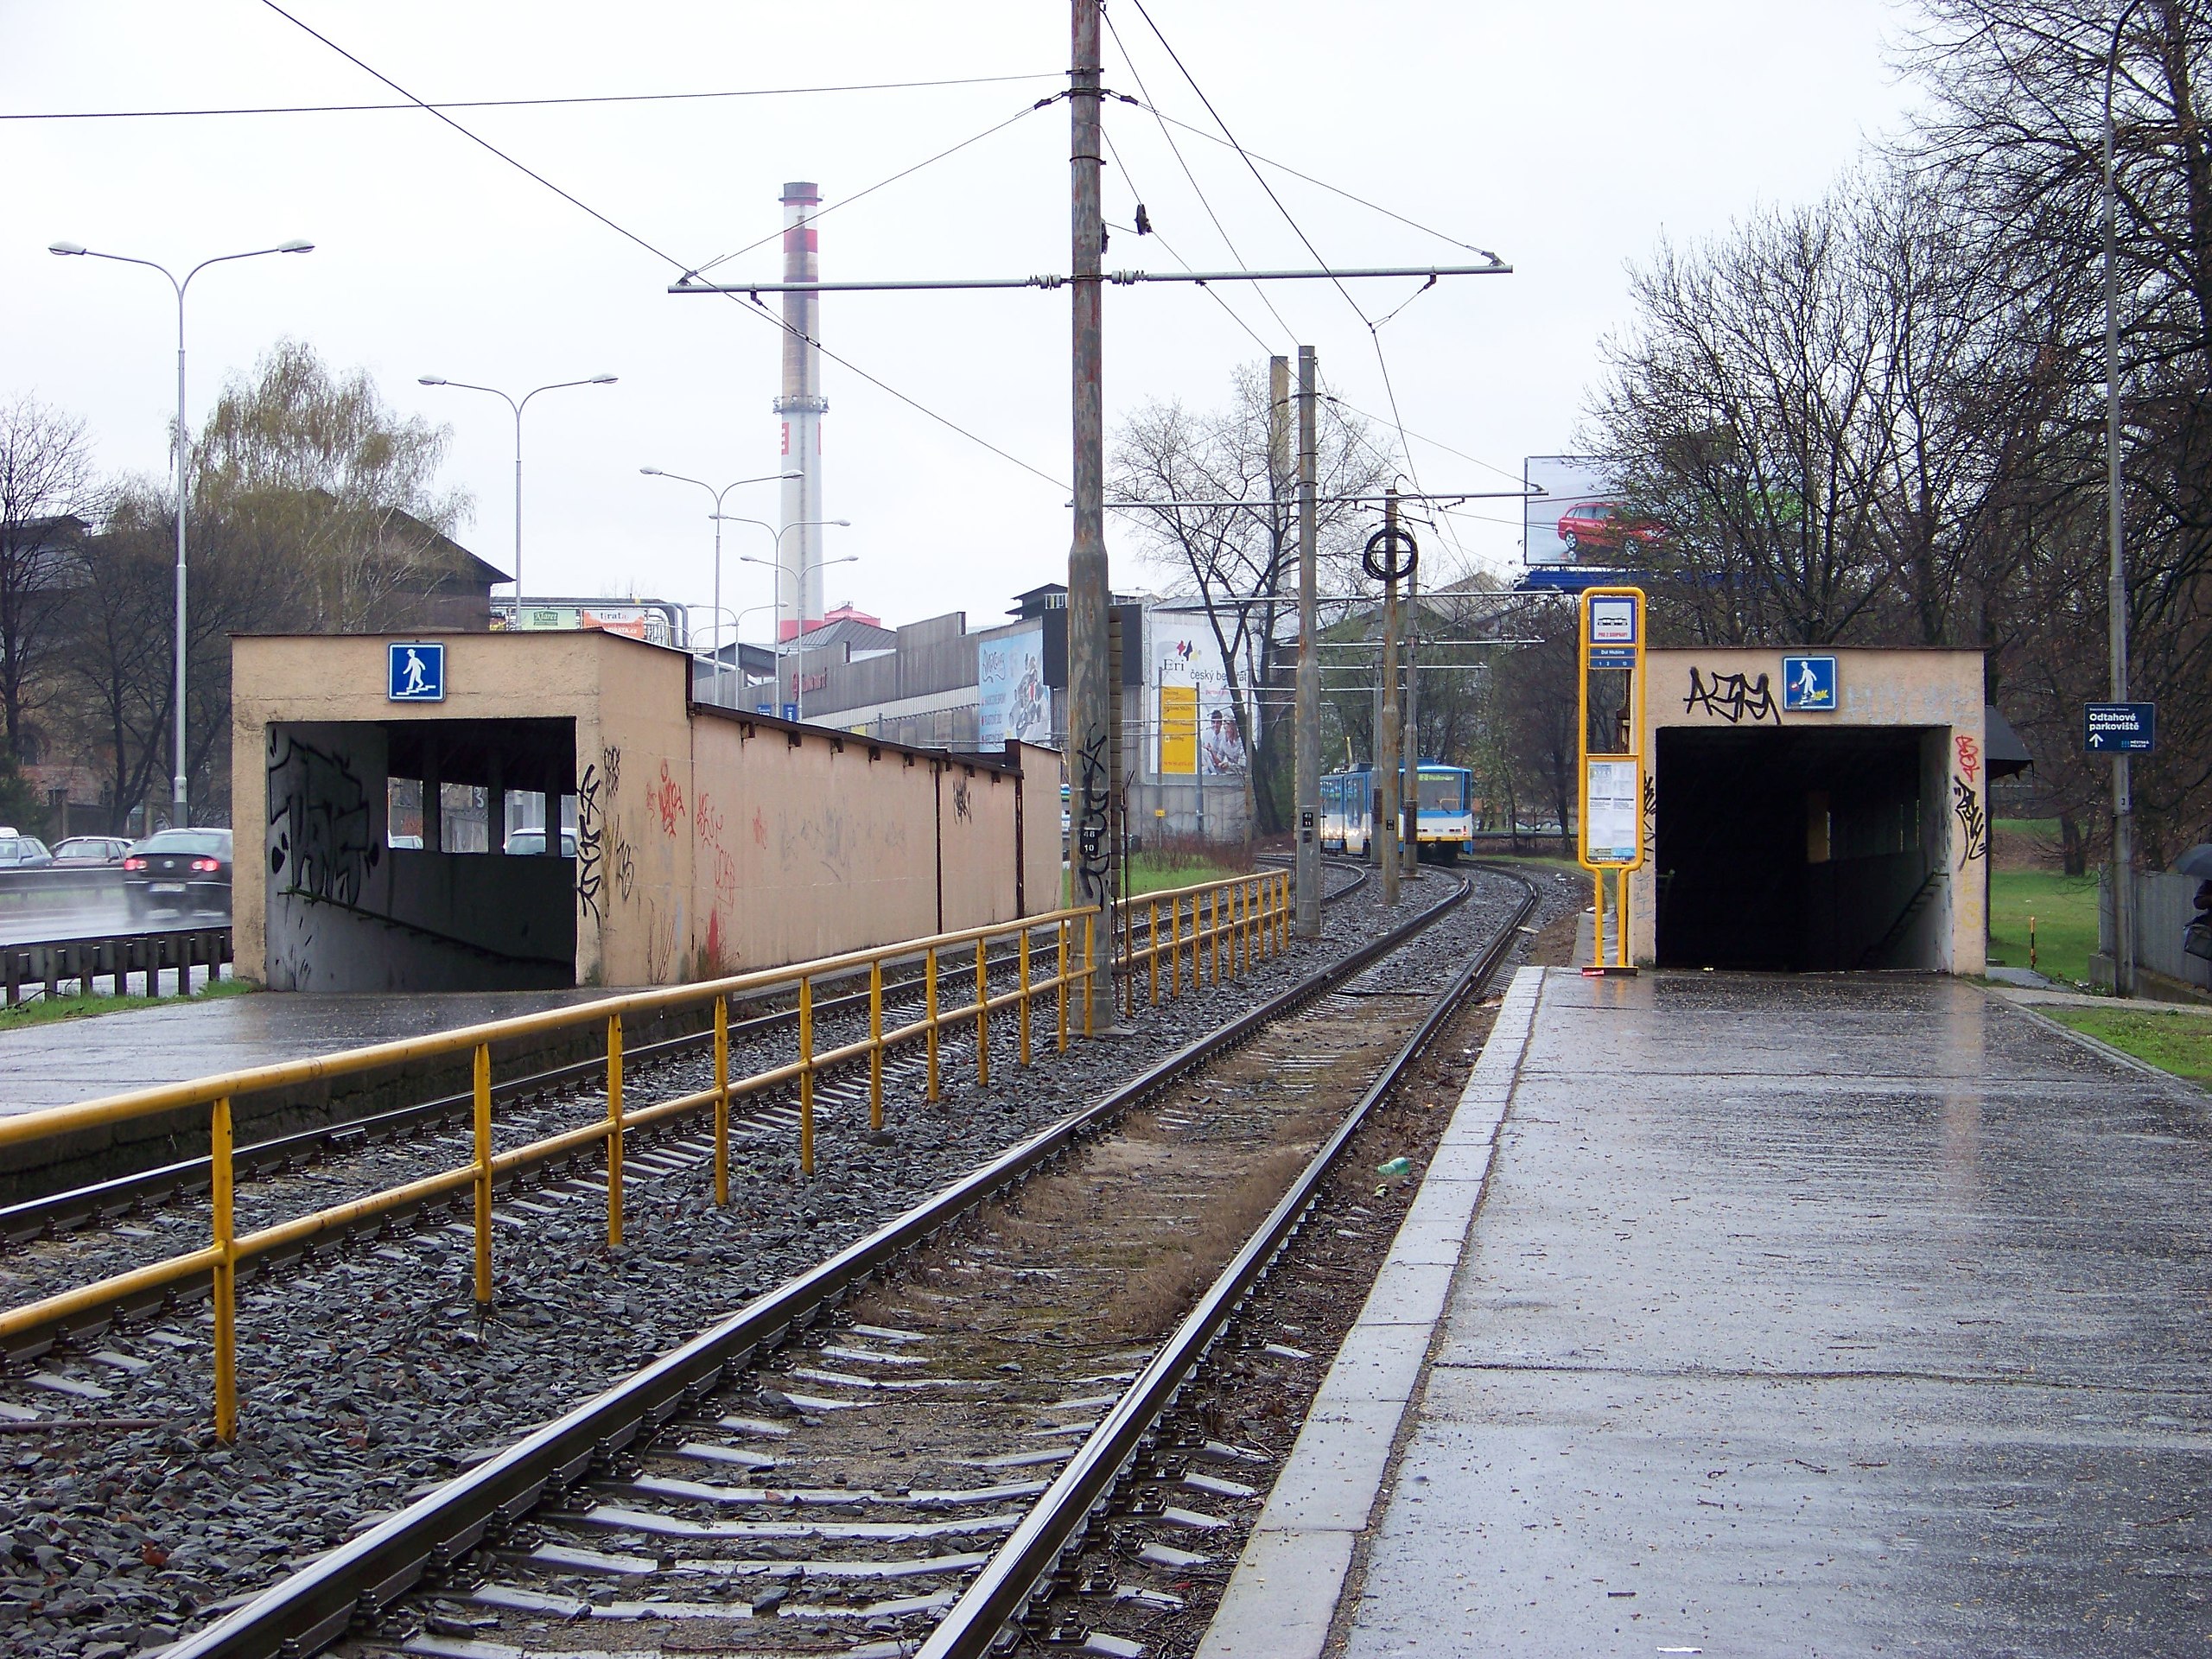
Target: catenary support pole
[
  {"x": 1089, "y": 717},
  {"x": 1409, "y": 794},
  {"x": 1387, "y": 731},
  {"x": 1308, "y": 735}
]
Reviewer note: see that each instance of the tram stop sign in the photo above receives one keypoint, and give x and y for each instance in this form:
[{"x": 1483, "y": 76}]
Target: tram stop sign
[{"x": 2119, "y": 727}]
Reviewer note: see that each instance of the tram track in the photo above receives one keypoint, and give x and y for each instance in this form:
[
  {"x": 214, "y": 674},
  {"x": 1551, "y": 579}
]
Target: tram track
[{"x": 817, "y": 1493}]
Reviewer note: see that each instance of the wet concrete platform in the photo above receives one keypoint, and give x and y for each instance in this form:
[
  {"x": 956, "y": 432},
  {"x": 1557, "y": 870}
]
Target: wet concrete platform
[
  {"x": 65, "y": 1061},
  {"x": 1815, "y": 1316}
]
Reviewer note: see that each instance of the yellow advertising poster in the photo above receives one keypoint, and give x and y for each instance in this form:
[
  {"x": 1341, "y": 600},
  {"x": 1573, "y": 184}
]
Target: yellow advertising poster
[{"x": 1179, "y": 730}]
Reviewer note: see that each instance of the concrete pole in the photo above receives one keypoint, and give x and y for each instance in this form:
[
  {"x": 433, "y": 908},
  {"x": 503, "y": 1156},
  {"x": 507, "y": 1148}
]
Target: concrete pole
[
  {"x": 1410, "y": 797},
  {"x": 1089, "y": 715},
  {"x": 1308, "y": 735},
  {"x": 1389, "y": 731}
]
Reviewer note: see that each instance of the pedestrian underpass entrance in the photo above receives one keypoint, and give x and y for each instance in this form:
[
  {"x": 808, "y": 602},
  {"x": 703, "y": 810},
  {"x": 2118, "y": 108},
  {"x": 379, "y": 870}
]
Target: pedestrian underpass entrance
[
  {"x": 1814, "y": 813},
  {"x": 1797, "y": 849},
  {"x": 389, "y": 863},
  {"x": 652, "y": 839}
]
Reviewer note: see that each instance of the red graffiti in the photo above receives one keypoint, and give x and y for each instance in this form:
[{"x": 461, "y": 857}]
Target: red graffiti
[
  {"x": 1969, "y": 757},
  {"x": 760, "y": 831},
  {"x": 706, "y": 821},
  {"x": 668, "y": 799}
]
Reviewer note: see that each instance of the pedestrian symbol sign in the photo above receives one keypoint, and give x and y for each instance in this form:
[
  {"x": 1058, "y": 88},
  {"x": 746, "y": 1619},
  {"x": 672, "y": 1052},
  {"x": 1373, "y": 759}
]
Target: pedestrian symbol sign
[
  {"x": 1808, "y": 685},
  {"x": 415, "y": 672}
]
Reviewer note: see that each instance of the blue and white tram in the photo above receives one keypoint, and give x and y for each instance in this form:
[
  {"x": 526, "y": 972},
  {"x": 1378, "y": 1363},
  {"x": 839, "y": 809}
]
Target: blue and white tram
[{"x": 1445, "y": 827}]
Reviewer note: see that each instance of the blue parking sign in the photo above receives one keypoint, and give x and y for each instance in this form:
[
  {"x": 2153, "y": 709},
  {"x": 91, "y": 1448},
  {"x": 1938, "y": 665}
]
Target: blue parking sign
[
  {"x": 415, "y": 672},
  {"x": 1808, "y": 685}
]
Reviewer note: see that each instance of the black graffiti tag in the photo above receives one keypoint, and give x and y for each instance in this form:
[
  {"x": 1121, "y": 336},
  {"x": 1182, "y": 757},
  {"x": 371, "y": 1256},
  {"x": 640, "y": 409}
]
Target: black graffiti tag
[
  {"x": 960, "y": 799},
  {"x": 1092, "y": 850},
  {"x": 1734, "y": 697},
  {"x": 591, "y": 854},
  {"x": 1974, "y": 826},
  {"x": 324, "y": 845}
]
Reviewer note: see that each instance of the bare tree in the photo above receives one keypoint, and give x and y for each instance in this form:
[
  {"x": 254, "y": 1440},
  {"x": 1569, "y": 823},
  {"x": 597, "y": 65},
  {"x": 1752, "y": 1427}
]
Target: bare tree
[
  {"x": 315, "y": 463},
  {"x": 1225, "y": 527},
  {"x": 48, "y": 492}
]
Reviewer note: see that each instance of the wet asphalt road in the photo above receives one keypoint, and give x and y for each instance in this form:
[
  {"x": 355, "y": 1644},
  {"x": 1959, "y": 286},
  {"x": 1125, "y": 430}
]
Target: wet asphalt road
[{"x": 1817, "y": 1316}]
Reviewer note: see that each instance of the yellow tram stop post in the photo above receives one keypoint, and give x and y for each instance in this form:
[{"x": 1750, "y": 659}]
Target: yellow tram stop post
[{"x": 1613, "y": 771}]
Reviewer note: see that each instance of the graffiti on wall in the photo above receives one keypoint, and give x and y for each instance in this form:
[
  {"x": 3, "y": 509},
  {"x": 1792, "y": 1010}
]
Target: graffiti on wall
[
  {"x": 668, "y": 801},
  {"x": 960, "y": 799},
  {"x": 1733, "y": 697},
  {"x": 323, "y": 840},
  {"x": 1092, "y": 851},
  {"x": 1969, "y": 757},
  {"x": 591, "y": 849},
  {"x": 1974, "y": 824}
]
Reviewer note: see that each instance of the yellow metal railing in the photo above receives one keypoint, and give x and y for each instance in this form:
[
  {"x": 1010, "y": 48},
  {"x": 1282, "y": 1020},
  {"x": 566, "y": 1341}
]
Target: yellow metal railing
[
  {"x": 1247, "y": 916},
  {"x": 1256, "y": 927},
  {"x": 1073, "y": 932}
]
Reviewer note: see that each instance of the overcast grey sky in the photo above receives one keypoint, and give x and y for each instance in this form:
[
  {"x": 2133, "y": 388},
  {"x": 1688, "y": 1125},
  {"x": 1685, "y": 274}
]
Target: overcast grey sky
[{"x": 1568, "y": 137}]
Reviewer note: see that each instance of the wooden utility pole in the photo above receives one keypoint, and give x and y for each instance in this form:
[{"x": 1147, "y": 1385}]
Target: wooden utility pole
[
  {"x": 1388, "y": 731},
  {"x": 1089, "y": 727},
  {"x": 1308, "y": 734}
]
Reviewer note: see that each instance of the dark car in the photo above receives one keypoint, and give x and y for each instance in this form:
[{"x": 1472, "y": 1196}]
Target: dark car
[
  {"x": 21, "y": 852},
  {"x": 87, "y": 852},
  {"x": 183, "y": 871}
]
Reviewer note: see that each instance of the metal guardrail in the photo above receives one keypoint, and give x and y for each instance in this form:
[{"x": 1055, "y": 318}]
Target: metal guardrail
[
  {"x": 50, "y": 964},
  {"x": 312, "y": 1608},
  {"x": 1261, "y": 926},
  {"x": 1265, "y": 895}
]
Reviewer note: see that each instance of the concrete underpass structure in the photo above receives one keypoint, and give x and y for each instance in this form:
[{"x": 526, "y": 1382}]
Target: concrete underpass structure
[
  {"x": 703, "y": 840},
  {"x": 1852, "y": 837}
]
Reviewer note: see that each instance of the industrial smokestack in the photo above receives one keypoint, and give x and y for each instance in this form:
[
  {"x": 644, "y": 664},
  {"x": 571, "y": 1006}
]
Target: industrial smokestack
[{"x": 802, "y": 406}]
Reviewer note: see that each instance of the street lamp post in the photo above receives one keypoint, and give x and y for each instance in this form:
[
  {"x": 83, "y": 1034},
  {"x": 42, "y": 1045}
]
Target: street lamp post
[
  {"x": 77, "y": 249},
  {"x": 766, "y": 478},
  {"x": 2123, "y": 800},
  {"x": 557, "y": 385},
  {"x": 798, "y": 689}
]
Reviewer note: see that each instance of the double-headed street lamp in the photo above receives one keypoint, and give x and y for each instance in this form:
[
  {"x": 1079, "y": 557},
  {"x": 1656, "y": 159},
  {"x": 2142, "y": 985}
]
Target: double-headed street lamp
[
  {"x": 766, "y": 478},
  {"x": 799, "y": 684},
  {"x": 557, "y": 385},
  {"x": 77, "y": 249}
]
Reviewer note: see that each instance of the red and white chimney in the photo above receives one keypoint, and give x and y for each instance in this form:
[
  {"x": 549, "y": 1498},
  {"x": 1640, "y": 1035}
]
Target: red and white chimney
[{"x": 798, "y": 549}]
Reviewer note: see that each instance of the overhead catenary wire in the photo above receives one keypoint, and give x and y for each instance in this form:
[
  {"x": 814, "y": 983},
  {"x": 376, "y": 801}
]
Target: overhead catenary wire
[
  {"x": 1381, "y": 359},
  {"x": 661, "y": 254},
  {"x": 524, "y": 103},
  {"x": 1227, "y": 242},
  {"x": 904, "y": 173}
]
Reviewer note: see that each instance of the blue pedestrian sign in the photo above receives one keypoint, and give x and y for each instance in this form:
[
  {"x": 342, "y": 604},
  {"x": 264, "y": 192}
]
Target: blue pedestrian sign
[
  {"x": 790, "y": 711},
  {"x": 415, "y": 672},
  {"x": 1808, "y": 685},
  {"x": 2119, "y": 727}
]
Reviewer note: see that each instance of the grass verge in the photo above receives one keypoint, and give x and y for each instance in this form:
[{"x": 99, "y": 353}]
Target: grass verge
[
  {"x": 2172, "y": 1040},
  {"x": 45, "y": 1010},
  {"x": 2064, "y": 911}
]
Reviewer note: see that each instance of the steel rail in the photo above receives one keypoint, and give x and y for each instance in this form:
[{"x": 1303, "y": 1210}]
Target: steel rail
[
  {"x": 305, "y": 1612},
  {"x": 1063, "y": 1515}
]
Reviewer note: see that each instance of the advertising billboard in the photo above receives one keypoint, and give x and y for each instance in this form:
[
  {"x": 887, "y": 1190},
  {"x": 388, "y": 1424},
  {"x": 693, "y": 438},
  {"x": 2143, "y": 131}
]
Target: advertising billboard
[
  {"x": 1011, "y": 699},
  {"x": 1196, "y": 716},
  {"x": 1578, "y": 518},
  {"x": 646, "y": 622}
]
